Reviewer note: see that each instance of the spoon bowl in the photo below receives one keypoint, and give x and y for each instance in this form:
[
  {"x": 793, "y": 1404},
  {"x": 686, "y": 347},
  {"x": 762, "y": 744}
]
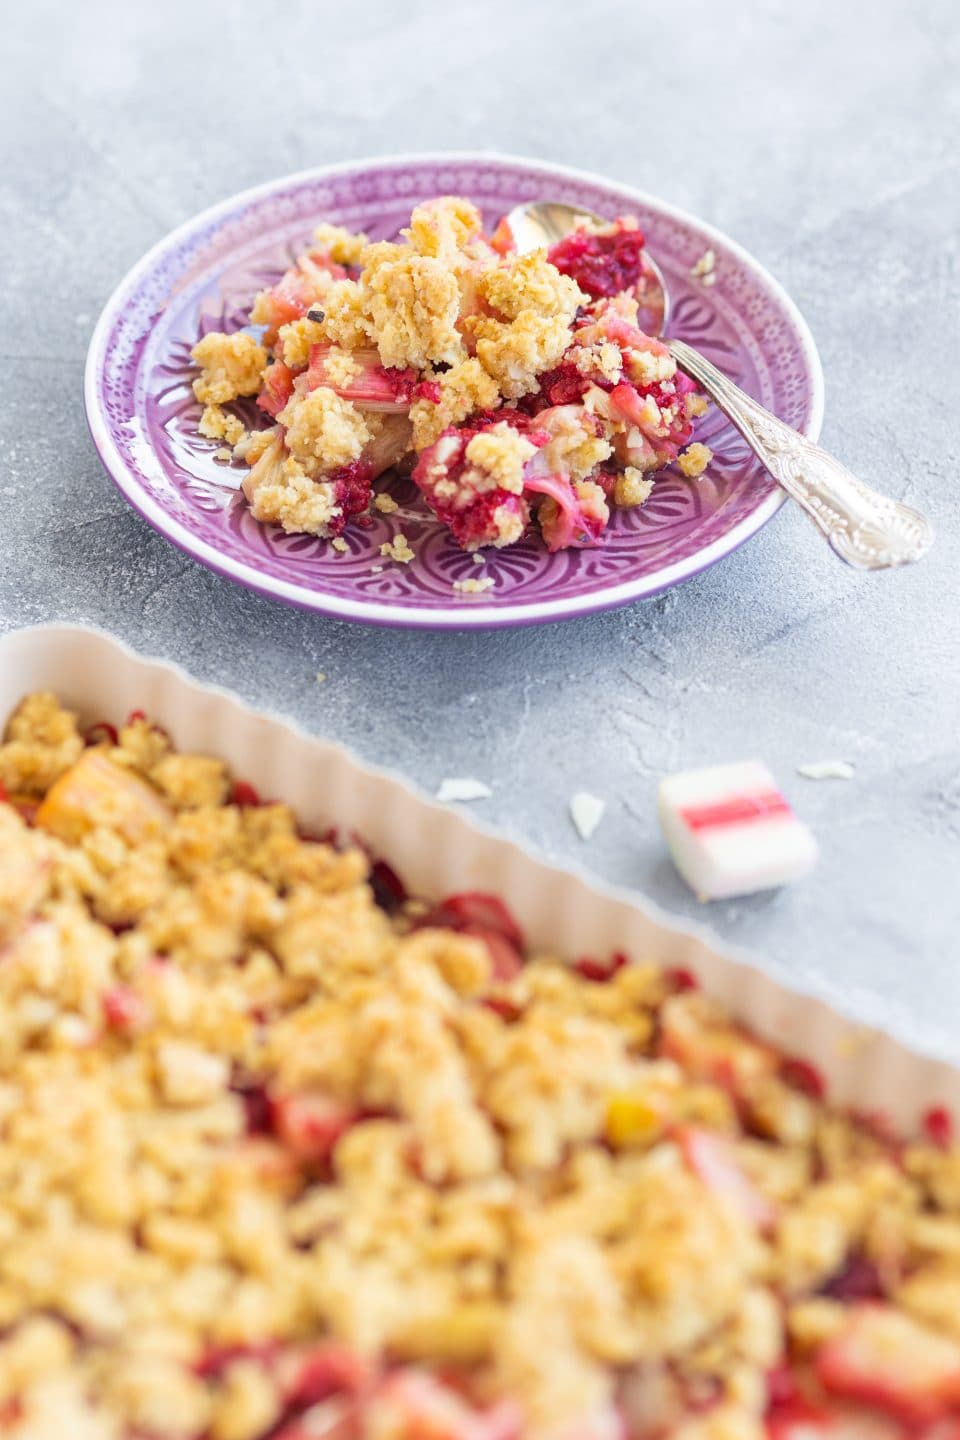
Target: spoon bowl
[{"x": 865, "y": 529}]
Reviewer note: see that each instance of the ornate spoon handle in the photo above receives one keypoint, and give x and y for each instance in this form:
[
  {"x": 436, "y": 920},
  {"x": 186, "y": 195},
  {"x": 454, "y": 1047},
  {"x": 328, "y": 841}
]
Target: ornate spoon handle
[{"x": 866, "y": 529}]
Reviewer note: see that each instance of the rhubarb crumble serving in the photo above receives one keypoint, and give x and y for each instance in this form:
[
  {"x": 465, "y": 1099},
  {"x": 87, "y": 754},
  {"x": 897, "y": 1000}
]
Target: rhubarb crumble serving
[
  {"x": 286, "y": 1154},
  {"x": 513, "y": 388}
]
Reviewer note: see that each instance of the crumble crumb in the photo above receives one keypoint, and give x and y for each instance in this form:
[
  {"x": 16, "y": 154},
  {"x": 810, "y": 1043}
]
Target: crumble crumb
[
  {"x": 598, "y": 359},
  {"x": 696, "y": 404},
  {"x": 295, "y": 338},
  {"x": 586, "y": 812},
  {"x": 463, "y": 790},
  {"x": 320, "y": 677},
  {"x": 346, "y": 320},
  {"x": 704, "y": 267},
  {"x": 475, "y": 587},
  {"x": 343, "y": 246},
  {"x": 443, "y": 228},
  {"x": 501, "y": 452},
  {"x": 340, "y": 545},
  {"x": 323, "y": 431},
  {"x": 224, "y": 454},
  {"x": 649, "y": 367},
  {"x": 632, "y": 488},
  {"x": 231, "y": 365},
  {"x": 478, "y": 558},
  {"x": 695, "y": 459},
  {"x": 385, "y": 504},
  {"x": 255, "y": 444},
  {"x": 218, "y": 424},
  {"x": 398, "y": 549},
  {"x": 529, "y": 284},
  {"x": 376, "y": 569}
]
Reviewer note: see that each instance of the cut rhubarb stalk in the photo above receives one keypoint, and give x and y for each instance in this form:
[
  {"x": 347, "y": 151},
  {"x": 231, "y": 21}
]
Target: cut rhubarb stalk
[
  {"x": 731, "y": 832},
  {"x": 318, "y": 1372},
  {"x": 473, "y": 909},
  {"x": 885, "y": 1359},
  {"x": 310, "y": 1123},
  {"x": 124, "y": 1009},
  {"x": 710, "y": 1156},
  {"x": 358, "y": 376},
  {"x": 506, "y": 962},
  {"x": 502, "y": 238},
  {"x": 298, "y": 288},
  {"x": 277, "y": 388},
  {"x": 413, "y": 1405},
  {"x": 564, "y": 519}
]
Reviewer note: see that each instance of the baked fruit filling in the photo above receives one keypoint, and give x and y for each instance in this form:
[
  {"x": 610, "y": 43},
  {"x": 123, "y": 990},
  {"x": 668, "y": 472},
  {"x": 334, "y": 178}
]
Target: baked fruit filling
[
  {"x": 374, "y": 357},
  {"x": 286, "y": 1153}
]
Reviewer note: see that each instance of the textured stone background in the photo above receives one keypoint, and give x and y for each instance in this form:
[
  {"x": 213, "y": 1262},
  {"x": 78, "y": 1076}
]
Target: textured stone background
[{"x": 823, "y": 137}]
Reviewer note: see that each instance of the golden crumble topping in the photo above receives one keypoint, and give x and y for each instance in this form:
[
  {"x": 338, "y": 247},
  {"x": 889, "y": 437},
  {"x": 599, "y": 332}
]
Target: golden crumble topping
[
  {"x": 343, "y": 246},
  {"x": 632, "y": 488},
  {"x": 397, "y": 549},
  {"x": 218, "y": 424},
  {"x": 374, "y": 353},
  {"x": 413, "y": 302},
  {"x": 474, "y": 586},
  {"x": 464, "y": 389},
  {"x": 323, "y": 431},
  {"x": 530, "y": 283},
  {"x": 443, "y": 228},
  {"x": 294, "y": 340},
  {"x": 695, "y": 459},
  {"x": 231, "y": 365},
  {"x": 275, "y": 1138},
  {"x": 502, "y": 453},
  {"x": 280, "y": 492},
  {"x": 516, "y": 353}
]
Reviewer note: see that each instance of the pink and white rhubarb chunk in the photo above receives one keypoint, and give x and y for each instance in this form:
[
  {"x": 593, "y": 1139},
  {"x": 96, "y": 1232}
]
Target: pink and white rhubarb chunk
[{"x": 730, "y": 830}]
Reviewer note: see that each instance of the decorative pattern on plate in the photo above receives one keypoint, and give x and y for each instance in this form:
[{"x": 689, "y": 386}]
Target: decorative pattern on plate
[{"x": 143, "y": 415}]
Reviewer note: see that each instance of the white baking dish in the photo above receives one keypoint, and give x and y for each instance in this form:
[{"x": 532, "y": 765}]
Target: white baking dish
[{"x": 438, "y": 850}]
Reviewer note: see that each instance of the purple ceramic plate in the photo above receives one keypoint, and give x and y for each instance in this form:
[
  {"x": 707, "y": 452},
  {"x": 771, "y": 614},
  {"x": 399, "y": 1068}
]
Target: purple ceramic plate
[{"x": 143, "y": 416}]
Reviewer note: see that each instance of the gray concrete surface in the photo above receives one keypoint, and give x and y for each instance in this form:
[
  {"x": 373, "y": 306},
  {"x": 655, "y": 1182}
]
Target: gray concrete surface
[{"x": 822, "y": 136}]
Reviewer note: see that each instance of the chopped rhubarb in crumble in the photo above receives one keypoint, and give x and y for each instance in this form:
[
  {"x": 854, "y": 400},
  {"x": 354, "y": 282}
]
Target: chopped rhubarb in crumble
[
  {"x": 287, "y": 1153},
  {"x": 374, "y": 356}
]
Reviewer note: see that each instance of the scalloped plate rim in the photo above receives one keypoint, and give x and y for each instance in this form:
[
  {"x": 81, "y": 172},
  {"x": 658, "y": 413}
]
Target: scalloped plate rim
[{"x": 478, "y": 616}]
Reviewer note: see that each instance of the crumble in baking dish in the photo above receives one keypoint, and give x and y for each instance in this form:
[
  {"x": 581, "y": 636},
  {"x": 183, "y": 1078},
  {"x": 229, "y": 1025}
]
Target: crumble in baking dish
[{"x": 287, "y": 1154}]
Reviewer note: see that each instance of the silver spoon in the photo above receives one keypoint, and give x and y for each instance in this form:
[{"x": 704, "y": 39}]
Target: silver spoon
[{"x": 866, "y": 529}]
